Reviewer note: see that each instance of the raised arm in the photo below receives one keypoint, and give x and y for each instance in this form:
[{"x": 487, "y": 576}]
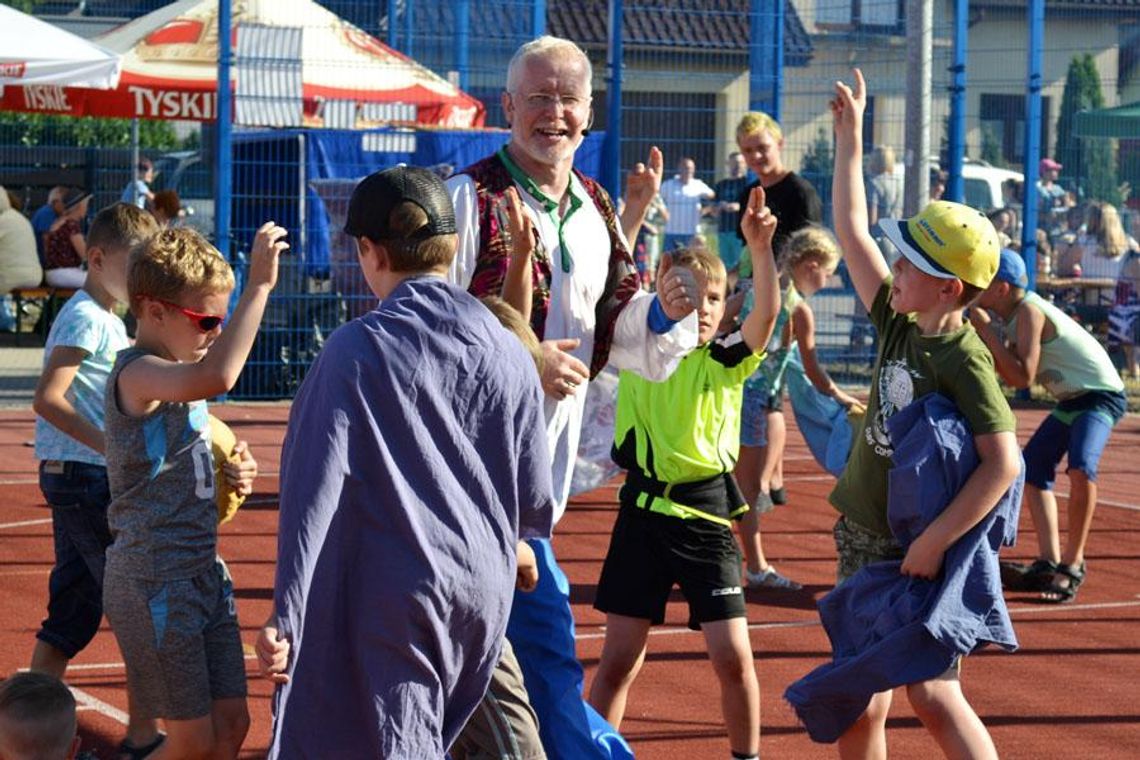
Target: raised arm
[
  {"x": 642, "y": 186},
  {"x": 518, "y": 288},
  {"x": 849, "y": 201},
  {"x": 1016, "y": 365},
  {"x": 759, "y": 226},
  {"x": 151, "y": 379}
]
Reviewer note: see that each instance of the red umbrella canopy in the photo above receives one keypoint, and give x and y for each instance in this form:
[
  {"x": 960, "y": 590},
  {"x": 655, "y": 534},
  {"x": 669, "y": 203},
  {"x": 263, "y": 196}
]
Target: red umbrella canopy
[{"x": 297, "y": 63}]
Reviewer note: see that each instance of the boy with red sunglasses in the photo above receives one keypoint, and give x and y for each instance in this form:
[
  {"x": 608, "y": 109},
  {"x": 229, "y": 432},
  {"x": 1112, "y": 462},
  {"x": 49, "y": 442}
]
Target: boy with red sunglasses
[{"x": 166, "y": 594}]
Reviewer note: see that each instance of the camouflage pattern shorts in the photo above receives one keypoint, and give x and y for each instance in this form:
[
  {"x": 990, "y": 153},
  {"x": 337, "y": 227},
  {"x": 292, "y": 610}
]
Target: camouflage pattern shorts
[{"x": 858, "y": 546}]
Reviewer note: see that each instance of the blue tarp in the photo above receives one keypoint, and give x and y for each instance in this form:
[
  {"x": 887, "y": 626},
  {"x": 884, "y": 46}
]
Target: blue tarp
[{"x": 268, "y": 173}]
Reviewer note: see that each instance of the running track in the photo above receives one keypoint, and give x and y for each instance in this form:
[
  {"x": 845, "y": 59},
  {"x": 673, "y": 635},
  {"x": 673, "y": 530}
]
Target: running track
[{"x": 1071, "y": 690}]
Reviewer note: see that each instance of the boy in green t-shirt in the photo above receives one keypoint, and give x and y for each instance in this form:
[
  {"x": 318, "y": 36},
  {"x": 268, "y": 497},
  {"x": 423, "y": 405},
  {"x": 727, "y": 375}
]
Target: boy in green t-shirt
[
  {"x": 678, "y": 440},
  {"x": 949, "y": 255}
]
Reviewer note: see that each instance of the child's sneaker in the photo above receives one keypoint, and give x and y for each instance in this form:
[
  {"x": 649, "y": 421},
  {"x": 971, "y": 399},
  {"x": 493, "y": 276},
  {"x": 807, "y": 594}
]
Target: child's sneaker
[{"x": 771, "y": 578}]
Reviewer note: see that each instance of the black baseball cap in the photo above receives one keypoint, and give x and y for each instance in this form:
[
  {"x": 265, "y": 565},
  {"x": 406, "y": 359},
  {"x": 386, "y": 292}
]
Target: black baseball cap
[{"x": 378, "y": 194}]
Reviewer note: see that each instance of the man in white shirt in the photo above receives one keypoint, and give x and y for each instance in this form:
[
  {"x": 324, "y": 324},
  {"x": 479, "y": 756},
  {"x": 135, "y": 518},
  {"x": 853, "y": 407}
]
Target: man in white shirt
[
  {"x": 685, "y": 197},
  {"x": 588, "y": 311}
]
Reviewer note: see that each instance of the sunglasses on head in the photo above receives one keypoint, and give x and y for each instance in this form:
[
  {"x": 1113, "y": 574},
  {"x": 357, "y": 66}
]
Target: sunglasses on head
[{"x": 204, "y": 322}]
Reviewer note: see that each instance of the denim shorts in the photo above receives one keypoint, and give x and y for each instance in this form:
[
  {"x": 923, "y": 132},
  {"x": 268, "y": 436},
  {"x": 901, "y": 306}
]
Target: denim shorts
[
  {"x": 78, "y": 494},
  {"x": 1083, "y": 441},
  {"x": 757, "y": 403}
]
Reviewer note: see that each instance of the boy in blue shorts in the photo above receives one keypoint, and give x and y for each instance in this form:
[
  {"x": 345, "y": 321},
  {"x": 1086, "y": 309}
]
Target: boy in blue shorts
[
  {"x": 166, "y": 593},
  {"x": 949, "y": 255},
  {"x": 678, "y": 440},
  {"x": 1045, "y": 345}
]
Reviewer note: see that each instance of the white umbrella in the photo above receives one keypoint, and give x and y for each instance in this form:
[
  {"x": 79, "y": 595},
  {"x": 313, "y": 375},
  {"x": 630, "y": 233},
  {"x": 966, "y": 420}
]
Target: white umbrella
[{"x": 34, "y": 52}]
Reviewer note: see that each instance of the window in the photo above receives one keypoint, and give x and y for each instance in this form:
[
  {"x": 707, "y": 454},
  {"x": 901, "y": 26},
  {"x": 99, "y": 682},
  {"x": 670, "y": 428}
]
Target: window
[
  {"x": 867, "y": 15},
  {"x": 1002, "y": 119}
]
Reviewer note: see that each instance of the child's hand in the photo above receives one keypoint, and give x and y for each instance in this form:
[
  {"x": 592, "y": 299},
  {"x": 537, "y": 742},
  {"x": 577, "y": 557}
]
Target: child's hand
[
  {"x": 676, "y": 288},
  {"x": 924, "y": 557},
  {"x": 644, "y": 181},
  {"x": 758, "y": 223},
  {"x": 267, "y": 247},
  {"x": 527, "y": 575},
  {"x": 519, "y": 226},
  {"x": 848, "y": 106},
  {"x": 272, "y": 654},
  {"x": 979, "y": 317},
  {"x": 241, "y": 474}
]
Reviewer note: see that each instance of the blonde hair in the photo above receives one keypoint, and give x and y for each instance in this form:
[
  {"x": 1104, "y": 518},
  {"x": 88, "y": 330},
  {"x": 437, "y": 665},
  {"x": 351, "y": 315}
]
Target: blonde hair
[
  {"x": 1104, "y": 222},
  {"x": 510, "y": 318},
  {"x": 549, "y": 47},
  {"x": 701, "y": 259},
  {"x": 176, "y": 261},
  {"x": 754, "y": 122},
  {"x": 882, "y": 160},
  {"x": 121, "y": 227},
  {"x": 810, "y": 243},
  {"x": 406, "y": 254}
]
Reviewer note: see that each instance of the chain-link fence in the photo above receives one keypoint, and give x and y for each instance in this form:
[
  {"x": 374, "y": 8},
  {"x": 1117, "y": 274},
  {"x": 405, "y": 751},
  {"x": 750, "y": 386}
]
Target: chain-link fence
[{"x": 690, "y": 69}]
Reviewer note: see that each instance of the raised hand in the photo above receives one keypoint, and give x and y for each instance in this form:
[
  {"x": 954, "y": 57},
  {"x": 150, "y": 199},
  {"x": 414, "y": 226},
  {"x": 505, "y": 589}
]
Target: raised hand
[
  {"x": 848, "y": 105},
  {"x": 758, "y": 223},
  {"x": 267, "y": 247},
  {"x": 644, "y": 180},
  {"x": 517, "y": 288}
]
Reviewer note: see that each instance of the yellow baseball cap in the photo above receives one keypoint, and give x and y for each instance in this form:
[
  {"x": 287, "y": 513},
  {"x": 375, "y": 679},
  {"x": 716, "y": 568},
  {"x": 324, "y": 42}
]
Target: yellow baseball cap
[{"x": 947, "y": 240}]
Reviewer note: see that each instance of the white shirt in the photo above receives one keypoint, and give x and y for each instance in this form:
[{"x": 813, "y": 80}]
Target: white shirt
[
  {"x": 683, "y": 200},
  {"x": 573, "y": 298}
]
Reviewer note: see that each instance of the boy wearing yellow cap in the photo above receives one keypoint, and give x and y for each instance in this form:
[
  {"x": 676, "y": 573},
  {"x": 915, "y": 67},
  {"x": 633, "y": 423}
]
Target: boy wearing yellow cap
[{"x": 949, "y": 256}]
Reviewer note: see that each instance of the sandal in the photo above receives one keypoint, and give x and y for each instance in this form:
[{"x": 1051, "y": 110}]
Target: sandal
[
  {"x": 128, "y": 751},
  {"x": 1035, "y": 576},
  {"x": 1066, "y": 581}
]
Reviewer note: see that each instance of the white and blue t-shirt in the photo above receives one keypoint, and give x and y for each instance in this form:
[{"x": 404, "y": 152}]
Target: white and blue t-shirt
[{"x": 82, "y": 323}]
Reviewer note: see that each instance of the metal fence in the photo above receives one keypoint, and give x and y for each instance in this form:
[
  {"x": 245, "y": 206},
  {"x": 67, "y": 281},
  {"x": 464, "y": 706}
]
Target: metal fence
[{"x": 689, "y": 70}]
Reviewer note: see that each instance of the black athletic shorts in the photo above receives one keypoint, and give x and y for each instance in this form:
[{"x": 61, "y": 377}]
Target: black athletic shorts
[{"x": 649, "y": 552}]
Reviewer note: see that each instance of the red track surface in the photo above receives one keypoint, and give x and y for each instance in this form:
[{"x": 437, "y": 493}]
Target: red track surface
[{"x": 1069, "y": 692}]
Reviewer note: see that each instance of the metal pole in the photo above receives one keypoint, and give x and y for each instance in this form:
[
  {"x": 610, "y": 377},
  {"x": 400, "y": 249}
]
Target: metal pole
[
  {"x": 1036, "y": 21},
  {"x": 224, "y": 154},
  {"x": 462, "y": 33},
  {"x": 135, "y": 158},
  {"x": 393, "y": 31},
  {"x": 956, "y": 188},
  {"x": 919, "y": 34},
  {"x": 409, "y": 26},
  {"x": 537, "y": 18},
  {"x": 778, "y": 75},
  {"x": 611, "y": 148},
  {"x": 764, "y": 62}
]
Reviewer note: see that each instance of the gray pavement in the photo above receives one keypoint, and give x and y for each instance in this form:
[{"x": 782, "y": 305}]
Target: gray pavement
[{"x": 19, "y": 373}]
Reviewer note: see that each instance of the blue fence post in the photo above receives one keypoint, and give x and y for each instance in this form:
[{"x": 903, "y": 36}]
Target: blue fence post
[
  {"x": 393, "y": 31},
  {"x": 956, "y": 187},
  {"x": 224, "y": 174},
  {"x": 462, "y": 35},
  {"x": 537, "y": 18},
  {"x": 765, "y": 56},
  {"x": 611, "y": 148},
  {"x": 1036, "y": 18},
  {"x": 409, "y": 27}
]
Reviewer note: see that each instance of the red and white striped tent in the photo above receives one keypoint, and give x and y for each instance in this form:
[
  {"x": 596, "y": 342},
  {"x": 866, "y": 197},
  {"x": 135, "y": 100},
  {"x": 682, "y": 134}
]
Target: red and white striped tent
[{"x": 296, "y": 64}]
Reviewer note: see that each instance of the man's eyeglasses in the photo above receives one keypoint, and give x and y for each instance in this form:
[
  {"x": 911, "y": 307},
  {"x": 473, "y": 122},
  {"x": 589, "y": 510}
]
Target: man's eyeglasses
[
  {"x": 540, "y": 101},
  {"x": 204, "y": 322}
]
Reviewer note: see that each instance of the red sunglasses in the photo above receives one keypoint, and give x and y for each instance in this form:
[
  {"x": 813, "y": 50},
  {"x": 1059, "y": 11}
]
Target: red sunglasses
[{"x": 204, "y": 322}]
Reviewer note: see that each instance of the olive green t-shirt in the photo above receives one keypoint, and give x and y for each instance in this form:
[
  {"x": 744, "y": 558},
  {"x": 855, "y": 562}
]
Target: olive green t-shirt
[{"x": 909, "y": 366}]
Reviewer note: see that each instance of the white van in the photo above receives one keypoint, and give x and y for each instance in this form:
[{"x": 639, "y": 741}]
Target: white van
[{"x": 982, "y": 182}]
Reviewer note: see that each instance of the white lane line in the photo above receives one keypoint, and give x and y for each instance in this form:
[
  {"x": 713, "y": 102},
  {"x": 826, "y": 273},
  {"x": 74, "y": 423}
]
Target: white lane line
[
  {"x": 25, "y": 523},
  {"x": 19, "y": 482},
  {"x": 88, "y": 702}
]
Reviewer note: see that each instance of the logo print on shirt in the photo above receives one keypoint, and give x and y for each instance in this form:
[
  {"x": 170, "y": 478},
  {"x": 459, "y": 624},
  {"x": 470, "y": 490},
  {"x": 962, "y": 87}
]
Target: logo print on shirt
[{"x": 896, "y": 390}]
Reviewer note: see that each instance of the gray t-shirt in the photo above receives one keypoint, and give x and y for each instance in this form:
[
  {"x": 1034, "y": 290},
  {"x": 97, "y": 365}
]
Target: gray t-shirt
[{"x": 162, "y": 514}]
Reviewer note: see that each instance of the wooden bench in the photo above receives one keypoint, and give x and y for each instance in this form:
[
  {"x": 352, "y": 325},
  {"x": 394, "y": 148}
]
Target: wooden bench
[{"x": 52, "y": 300}]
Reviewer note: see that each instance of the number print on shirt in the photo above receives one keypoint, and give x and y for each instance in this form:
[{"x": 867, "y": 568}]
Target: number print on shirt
[{"x": 203, "y": 470}]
